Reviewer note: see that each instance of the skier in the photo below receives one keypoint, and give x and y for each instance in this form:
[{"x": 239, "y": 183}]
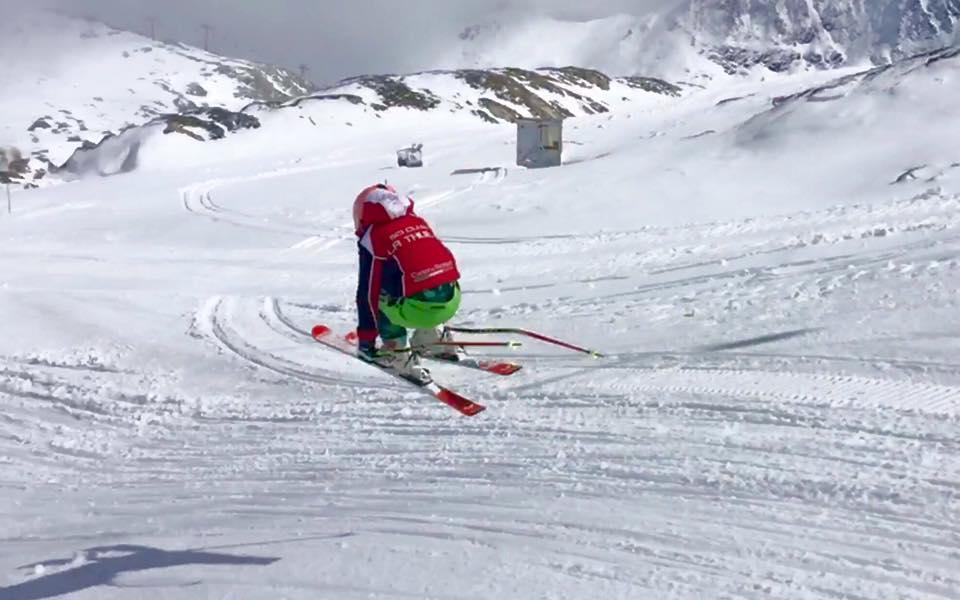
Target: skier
[{"x": 407, "y": 280}]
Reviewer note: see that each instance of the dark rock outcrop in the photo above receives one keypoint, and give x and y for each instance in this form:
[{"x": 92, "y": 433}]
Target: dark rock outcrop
[
  {"x": 395, "y": 93},
  {"x": 652, "y": 84},
  {"x": 40, "y": 123}
]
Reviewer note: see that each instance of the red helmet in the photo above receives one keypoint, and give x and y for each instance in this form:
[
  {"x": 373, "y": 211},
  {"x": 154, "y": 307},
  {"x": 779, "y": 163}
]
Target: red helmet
[{"x": 379, "y": 203}]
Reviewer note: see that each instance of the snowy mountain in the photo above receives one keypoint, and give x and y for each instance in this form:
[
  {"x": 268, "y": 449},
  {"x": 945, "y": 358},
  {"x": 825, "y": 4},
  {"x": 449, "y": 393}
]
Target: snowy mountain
[
  {"x": 769, "y": 265},
  {"x": 79, "y": 121},
  {"x": 68, "y": 81},
  {"x": 499, "y": 95},
  {"x": 494, "y": 96},
  {"x": 780, "y": 34},
  {"x": 176, "y": 89},
  {"x": 776, "y": 414},
  {"x": 696, "y": 38}
]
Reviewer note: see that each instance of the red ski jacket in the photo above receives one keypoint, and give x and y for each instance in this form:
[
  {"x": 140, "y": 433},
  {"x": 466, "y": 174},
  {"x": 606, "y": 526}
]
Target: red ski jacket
[{"x": 399, "y": 254}]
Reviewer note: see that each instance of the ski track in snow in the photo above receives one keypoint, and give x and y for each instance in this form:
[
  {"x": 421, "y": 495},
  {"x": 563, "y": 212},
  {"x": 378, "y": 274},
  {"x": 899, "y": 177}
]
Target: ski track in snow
[
  {"x": 625, "y": 478},
  {"x": 755, "y": 432}
]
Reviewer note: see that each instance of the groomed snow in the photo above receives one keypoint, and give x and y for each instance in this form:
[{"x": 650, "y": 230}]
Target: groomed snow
[{"x": 777, "y": 417}]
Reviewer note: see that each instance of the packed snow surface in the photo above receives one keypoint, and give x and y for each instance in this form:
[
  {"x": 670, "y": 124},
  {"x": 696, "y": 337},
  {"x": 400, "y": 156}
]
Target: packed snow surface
[{"x": 777, "y": 416}]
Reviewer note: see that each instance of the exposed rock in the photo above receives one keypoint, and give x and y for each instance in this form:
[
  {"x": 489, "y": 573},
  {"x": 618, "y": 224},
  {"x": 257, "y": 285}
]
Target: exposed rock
[
  {"x": 265, "y": 83},
  {"x": 730, "y": 100},
  {"x": 506, "y": 94},
  {"x": 184, "y": 123},
  {"x": 351, "y": 98},
  {"x": 741, "y": 34},
  {"x": 215, "y": 122},
  {"x": 497, "y": 110},
  {"x": 734, "y": 59},
  {"x": 582, "y": 77},
  {"x": 40, "y": 123},
  {"x": 486, "y": 116},
  {"x": 651, "y": 84},
  {"x": 541, "y": 81},
  {"x": 508, "y": 88},
  {"x": 195, "y": 89},
  {"x": 15, "y": 168},
  {"x": 184, "y": 105},
  {"x": 700, "y": 135},
  {"x": 395, "y": 93},
  {"x": 909, "y": 175}
]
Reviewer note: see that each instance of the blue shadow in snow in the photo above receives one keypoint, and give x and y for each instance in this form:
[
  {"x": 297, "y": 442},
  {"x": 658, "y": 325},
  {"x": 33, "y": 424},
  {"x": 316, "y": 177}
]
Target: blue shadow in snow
[
  {"x": 104, "y": 565},
  {"x": 760, "y": 340}
]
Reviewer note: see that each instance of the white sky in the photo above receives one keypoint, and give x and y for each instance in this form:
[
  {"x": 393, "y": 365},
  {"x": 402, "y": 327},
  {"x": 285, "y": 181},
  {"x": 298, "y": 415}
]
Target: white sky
[{"x": 335, "y": 38}]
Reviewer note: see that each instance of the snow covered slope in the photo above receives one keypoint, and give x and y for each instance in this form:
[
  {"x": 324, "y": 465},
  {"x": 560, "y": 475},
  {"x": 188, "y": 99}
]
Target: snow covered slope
[
  {"x": 67, "y": 81},
  {"x": 492, "y": 96},
  {"x": 699, "y": 40},
  {"x": 62, "y": 109},
  {"x": 777, "y": 416}
]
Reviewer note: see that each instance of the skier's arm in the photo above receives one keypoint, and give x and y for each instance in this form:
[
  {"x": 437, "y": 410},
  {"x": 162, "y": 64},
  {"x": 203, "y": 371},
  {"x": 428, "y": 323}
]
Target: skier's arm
[{"x": 368, "y": 293}]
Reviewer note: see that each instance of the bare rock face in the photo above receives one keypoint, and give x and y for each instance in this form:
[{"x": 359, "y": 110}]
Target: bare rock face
[
  {"x": 780, "y": 34},
  {"x": 209, "y": 123},
  {"x": 11, "y": 160},
  {"x": 508, "y": 94},
  {"x": 18, "y": 169},
  {"x": 395, "y": 93},
  {"x": 195, "y": 89}
]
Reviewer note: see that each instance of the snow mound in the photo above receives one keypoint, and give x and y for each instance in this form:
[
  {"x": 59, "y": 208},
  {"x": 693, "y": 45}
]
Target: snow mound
[{"x": 884, "y": 104}]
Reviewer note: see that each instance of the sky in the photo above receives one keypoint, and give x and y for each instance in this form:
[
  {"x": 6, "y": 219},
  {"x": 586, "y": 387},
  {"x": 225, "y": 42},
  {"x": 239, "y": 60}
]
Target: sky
[{"x": 333, "y": 38}]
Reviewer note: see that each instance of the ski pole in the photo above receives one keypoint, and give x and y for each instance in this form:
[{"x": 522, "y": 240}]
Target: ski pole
[
  {"x": 352, "y": 338},
  {"x": 532, "y": 334},
  {"x": 509, "y": 344},
  {"x": 456, "y": 344}
]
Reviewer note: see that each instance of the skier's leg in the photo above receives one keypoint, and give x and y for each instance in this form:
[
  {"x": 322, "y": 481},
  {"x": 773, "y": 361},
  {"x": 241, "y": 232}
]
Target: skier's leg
[
  {"x": 393, "y": 336},
  {"x": 393, "y": 333}
]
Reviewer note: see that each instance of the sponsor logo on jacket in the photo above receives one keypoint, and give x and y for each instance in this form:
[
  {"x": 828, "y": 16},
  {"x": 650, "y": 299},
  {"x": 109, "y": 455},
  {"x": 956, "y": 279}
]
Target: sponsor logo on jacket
[
  {"x": 409, "y": 234},
  {"x": 440, "y": 269}
]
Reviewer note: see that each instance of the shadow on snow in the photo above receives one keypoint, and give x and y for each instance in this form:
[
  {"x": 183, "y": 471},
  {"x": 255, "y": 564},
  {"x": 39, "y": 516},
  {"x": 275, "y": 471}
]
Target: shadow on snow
[{"x": 104, "y": 563}]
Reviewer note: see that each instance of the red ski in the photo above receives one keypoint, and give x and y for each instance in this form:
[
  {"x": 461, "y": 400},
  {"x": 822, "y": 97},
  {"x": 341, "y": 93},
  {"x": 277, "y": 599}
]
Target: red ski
[
  {"x": 489, "y": 366},
  {"x": 325, "y": 336}
]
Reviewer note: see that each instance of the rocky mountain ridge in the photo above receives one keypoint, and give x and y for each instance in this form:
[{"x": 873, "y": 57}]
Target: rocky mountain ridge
[
  {"x": 706, "y": 39},
  {"x": 779, "y": 35}
]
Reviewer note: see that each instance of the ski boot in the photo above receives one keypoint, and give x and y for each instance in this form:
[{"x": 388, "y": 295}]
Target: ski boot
[
  {"x": 400, "y": 361},
  {"x": 435, "y": 343}
]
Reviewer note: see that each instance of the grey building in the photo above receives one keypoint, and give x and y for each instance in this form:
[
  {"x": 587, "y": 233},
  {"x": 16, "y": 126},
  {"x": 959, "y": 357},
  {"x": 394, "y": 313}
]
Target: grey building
[{"x": 539, "y": 143}]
